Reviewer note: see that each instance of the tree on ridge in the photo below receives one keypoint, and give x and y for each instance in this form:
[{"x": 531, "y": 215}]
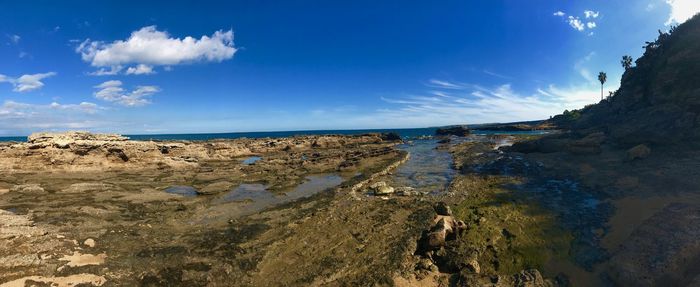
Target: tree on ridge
[
  {"x": 626, "y": 62},
  {"x": 602, "y": 77}
]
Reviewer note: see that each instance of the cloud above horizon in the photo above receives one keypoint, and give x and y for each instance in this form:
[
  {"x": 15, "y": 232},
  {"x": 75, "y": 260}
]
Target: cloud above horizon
[
  {"x": 579, "y": 24},
  {"x": 682, "y": 10},
  {"x": 26, "y": 83},
  {"x": 467, "y": 103},
  {"x": 112, "y": 91},
  {"x": 18, "y": 116},
  {"x": 148, "y": 47}
]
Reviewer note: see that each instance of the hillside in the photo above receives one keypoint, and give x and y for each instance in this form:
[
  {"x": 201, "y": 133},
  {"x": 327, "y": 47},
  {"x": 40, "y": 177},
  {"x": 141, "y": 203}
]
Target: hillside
[{"x": 659, "y": 99}]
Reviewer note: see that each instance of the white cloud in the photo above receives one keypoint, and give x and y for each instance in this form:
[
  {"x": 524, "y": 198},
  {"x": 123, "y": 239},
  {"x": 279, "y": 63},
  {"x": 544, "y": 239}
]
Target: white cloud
[
  {"x": 576, "y": 23},
  {"x": 111, "y": 71},
  {"x": 14, "y": 39},
  {"x": 112, "y": 91},
  {"x": 478, "y": 104},
  {"x": 140, "y": 69},
  {"x": 13, "y": 109},
  {"x": 682, "y": 10},
  {"x": 591, "y": 14},
  {"x": 26, "y": 83},
  {"x": 23, "y": 118},
  {"x": 150, "y": 47}
]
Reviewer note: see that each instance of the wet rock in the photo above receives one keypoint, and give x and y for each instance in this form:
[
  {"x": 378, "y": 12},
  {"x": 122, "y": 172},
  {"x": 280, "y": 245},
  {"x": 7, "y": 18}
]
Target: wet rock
[
  {"x": 384, "y": 190},
  {"x": 661, "y": 251},
  {"x": 638, "y": 152},
  {"x": 406, "y": 191},
  {"x": 524, "y": 278},
  {"x": 381, "y": 188},
  {"x": 443, "y": 209},
  {"x": 391, "y": 136},
  {"x": 460, "y": 131},
  {"x": 84, "y": 187},
  {"x": 216, "y": 187}
]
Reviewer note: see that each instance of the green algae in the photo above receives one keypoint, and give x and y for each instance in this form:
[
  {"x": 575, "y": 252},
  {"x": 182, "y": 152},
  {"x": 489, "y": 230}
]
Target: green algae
[{"x": 506, "y": 232}]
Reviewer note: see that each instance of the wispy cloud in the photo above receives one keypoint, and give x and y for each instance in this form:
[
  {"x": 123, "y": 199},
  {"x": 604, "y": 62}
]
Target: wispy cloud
[
  {"x": 17, "y": 117},
  {"x": 14, "y": 39},
  {"x": 112, "y": 91},
  {"x": 497, "y": 75},
  {"x": 149, "y": 47},
  {"x": 444, "y": 84},
  {"x": 26, "y": 83},
  {"x": 480, "y": 104}
]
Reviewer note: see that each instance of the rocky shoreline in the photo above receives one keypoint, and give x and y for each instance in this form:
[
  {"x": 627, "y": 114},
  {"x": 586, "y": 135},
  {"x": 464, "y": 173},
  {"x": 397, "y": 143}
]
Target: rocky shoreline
[{"x": 88, "y": 209}]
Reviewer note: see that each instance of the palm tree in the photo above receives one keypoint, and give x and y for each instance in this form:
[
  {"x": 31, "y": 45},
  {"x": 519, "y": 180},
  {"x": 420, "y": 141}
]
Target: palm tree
[
  {"x": 602, "y": 77},
  {"x": 626, "y": 62}
]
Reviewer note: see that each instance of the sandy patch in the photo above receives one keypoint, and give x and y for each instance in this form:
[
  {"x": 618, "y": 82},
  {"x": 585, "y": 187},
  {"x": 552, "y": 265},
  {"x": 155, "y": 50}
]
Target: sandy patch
[
  {"x": 78, "y": 259},
  {"x": 67, "y": 281}
]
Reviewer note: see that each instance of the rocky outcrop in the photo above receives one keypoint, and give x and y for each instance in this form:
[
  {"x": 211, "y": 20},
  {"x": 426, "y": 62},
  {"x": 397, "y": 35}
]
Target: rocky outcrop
[
  {"x": 460, "y": 131},
  {"x": 82, "y": 151},
  {"x": 658, "y": 101},
  {"x": 64, "y": 140}
]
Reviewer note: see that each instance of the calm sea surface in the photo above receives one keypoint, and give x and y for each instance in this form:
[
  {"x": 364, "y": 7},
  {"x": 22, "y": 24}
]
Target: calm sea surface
[{"x": 405, "y": 133}]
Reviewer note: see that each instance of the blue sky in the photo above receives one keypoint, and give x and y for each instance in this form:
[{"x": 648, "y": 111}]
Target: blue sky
[{"x": 208, "y": 66}]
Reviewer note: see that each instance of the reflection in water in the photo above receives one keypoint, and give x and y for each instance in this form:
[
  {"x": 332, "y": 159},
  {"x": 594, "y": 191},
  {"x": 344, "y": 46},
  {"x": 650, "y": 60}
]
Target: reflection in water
[
  {"x": 183, "y": 190},
  {"x": 427, "y": 170},
  {"x": 253, "y": 197},
  {"x": 251, "y": 160}
]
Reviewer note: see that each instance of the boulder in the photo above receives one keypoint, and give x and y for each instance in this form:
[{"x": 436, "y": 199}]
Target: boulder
[
  {"x": 89, "y": 242},
  {"x": 443, "y": 209},
  {"x": 384, "y": 190},
  {"x": 638, "y": 152}
]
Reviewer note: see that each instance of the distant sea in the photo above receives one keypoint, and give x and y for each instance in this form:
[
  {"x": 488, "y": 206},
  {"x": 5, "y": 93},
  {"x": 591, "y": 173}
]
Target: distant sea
[{"x": 404, "y": 133}]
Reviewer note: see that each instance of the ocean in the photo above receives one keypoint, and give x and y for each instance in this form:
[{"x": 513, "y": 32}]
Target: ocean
[{"x": 404, "y": 133}]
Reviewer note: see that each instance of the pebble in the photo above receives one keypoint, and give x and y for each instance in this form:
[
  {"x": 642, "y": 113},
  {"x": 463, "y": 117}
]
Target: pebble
[{"x": 89, "y": 242}]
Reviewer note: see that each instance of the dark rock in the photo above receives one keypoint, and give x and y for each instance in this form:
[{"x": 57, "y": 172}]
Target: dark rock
[
  {"x": 392, "y": 136},
  {"x": 443, "y": 209},
  {"x": 460, "y": 131}
]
